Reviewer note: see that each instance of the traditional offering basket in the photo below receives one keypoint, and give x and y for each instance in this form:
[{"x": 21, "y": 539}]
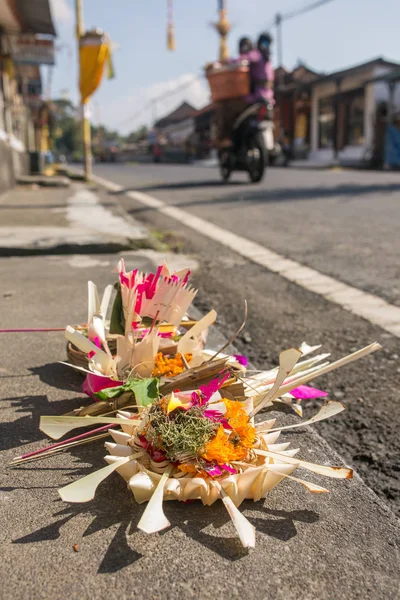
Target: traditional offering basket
[
  {"x": 228, "y": 82},
  {"x": 79, "y": 359}
]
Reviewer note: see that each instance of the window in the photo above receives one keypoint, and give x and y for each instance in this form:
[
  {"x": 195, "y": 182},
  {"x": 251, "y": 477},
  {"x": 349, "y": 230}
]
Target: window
[
  {"x": 326, "y": 123},
  {"x": 355, "y": 124}
]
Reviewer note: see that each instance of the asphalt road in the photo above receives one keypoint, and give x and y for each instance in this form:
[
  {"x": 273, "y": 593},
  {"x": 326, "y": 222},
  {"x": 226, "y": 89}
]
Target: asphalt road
[{"x": 340, "y": 223}]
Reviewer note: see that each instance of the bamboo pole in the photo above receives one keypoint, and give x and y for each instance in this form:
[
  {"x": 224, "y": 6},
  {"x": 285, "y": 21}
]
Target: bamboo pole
[{"x": 86, "y": 133}]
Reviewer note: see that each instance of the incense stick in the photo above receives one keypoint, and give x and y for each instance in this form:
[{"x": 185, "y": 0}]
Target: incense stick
[
  {"x": 40, "y": 329},
  {"x": 59, "y": 449},
  {"x": 73, "y": 439}
]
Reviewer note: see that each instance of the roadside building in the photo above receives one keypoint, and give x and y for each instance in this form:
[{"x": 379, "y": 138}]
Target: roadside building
[
  {"x": 386, "y": 145},
  {"x": 203, "y": 131},
  {"x": 340, "y": 116},
  {"x": 175, "y": 132},
  {"x": 26, "y": 40},
  {"x": 345, "y": 106},
  {"x": 292, "y": 114}
]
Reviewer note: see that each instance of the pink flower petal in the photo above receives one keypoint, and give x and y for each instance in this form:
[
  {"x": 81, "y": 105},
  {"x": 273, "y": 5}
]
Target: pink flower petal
[
  {"x": 305, "y": 392},
  {"x": 229, "y": 468},
  {"x": 124, "y": 280},
  {"x": 186, "y": 278},
  {"x": 213, "y": 471},
  {"x": 210, "y": 388},
  {"x": 213, "y": 415},
  {"x": 95, "y": 383},
  {"x": 242, "y": 360}
]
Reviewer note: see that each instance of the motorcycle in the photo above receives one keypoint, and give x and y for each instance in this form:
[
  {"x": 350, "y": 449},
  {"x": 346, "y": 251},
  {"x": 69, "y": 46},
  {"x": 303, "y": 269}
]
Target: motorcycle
[{"x": 252, "y": 139}]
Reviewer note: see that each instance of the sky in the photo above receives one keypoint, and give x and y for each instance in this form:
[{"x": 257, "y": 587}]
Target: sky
[{"x": 334, "y": 36}]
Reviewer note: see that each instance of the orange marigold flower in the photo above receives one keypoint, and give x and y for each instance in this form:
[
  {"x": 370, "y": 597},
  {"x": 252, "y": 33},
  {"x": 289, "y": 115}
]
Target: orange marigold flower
[
  {"x": 238, "y": 419},
  {"x": 188, "y": 468},
  {"x": 221, "y": 450},
  {"x": 192, "y": 470},
  {"x": 169, "y": 365}
]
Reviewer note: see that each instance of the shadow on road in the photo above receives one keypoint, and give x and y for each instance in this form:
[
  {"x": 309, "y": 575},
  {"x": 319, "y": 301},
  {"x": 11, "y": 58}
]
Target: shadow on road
[
  {"x": 256, "y": 195},
  {"x": 25, "y": 430},
  {"x": 200, "y": 523},
  {"x": 59, "y": 376}
]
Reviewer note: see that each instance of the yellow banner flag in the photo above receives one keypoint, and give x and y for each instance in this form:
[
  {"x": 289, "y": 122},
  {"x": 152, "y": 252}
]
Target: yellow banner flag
[{"x": 94, "y": 53}]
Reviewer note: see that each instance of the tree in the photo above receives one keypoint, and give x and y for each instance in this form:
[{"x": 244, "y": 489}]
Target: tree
[
  {"x": 66, "y": 130},
  {"x": 138, "y": 135}
]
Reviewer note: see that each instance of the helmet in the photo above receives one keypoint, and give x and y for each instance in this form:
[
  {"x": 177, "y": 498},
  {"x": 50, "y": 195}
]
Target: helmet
[
  {"x": 264, "y": 40},
  {"x": 245, "y": 45},
  {"x": 264, "y": 45}
]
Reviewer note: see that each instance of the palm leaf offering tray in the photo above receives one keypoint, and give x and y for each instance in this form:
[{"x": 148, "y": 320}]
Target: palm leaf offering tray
[
  {"x": 149, "y": 335},
  {"x": 182, "y": 416}
]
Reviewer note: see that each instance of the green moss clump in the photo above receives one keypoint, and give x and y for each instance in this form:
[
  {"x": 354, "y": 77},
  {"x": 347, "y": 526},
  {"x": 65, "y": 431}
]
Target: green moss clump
[{"x": 181, "y": 435}]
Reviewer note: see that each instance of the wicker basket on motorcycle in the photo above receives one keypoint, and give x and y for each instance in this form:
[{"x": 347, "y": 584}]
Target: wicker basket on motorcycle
[{"x": 228, "y": 82}]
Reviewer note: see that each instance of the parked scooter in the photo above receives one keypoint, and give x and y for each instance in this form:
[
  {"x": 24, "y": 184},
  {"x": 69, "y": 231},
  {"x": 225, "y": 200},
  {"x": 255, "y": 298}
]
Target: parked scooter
[{"x": 252, "y": 140}]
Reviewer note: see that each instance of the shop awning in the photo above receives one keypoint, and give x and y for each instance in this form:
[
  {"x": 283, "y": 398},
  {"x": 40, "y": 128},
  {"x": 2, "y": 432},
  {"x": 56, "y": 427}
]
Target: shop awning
[
  {"x": 8, "y": 19},
  {"x": 391, "y": 77},
  {"x": 35, "y": 16}
]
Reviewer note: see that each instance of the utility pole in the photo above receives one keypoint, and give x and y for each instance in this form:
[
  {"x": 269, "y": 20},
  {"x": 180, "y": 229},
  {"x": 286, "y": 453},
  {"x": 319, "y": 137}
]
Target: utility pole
[
  {"x": 86, "y": 134},
  {"x": 279, "y": 18},
  {"x": 154, "y": 110},
  {"x": 279, "y": 44}
]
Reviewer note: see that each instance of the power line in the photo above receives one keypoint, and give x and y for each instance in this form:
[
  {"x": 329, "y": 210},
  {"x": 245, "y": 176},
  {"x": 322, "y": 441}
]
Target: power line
[
  {"x": 279, "y": 18},
  {"x": 303, "y": 10},
  {"x": 156, "y": 99}
]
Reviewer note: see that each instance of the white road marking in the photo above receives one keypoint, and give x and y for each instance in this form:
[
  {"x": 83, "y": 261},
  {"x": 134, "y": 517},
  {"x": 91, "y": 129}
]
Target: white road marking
[{"x": 371, "y": 308}]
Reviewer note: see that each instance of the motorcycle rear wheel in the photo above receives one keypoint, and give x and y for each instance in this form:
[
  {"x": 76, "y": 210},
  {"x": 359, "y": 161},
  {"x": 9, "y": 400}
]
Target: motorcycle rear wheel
[
  {"x": 225, "y": 165},
  {"x": 258, "y": 158}
]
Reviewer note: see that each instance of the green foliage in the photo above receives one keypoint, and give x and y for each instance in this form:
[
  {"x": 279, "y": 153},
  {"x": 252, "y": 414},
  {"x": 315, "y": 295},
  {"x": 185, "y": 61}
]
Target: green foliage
[
  {"x": 117, "y": 321},
  {"x": 67, "y": 137},
  {"x": 144, "y": 390},
  {"x": 101, "y": 132},
  {"x": 138, "y": 135},
  {"x": 66, "y": 130}
]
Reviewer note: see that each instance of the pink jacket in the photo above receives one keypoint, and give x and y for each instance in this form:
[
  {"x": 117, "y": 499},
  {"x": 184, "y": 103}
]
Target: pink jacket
[{"x": 261, "y": 71}]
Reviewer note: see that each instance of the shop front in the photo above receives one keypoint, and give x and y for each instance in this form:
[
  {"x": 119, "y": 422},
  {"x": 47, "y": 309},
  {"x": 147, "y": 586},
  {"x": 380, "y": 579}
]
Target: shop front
[{"x": 344, "y": 111}]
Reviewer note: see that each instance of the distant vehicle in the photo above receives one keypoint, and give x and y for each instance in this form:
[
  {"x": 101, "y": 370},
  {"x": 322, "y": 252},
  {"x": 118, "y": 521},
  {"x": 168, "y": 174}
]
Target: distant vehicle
[
  {"x": 106, "y": 152},
  {"x": 252, "y": 140},
  {"x": 156, "y": 152}
]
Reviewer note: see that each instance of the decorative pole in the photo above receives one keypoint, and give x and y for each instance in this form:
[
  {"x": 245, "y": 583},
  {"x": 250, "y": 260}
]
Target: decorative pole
[
  {"x": 223, "y": 27},
  {"x": 170, "y": 31}
]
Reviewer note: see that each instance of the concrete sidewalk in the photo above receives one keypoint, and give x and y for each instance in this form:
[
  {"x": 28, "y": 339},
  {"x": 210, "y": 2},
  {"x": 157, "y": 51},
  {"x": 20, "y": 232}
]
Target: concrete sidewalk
[
  {"x": 336, "y": 546},
  {"x": 75, "y": 219}
]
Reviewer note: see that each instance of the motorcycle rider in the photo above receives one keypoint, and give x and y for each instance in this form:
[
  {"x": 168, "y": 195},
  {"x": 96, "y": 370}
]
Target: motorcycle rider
[
  {"x": 261, "y": 71},
  {"x": 245, "y": 46},
  {"x": 261, "y": 85},
  {"x": 228, "y": 110}
]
